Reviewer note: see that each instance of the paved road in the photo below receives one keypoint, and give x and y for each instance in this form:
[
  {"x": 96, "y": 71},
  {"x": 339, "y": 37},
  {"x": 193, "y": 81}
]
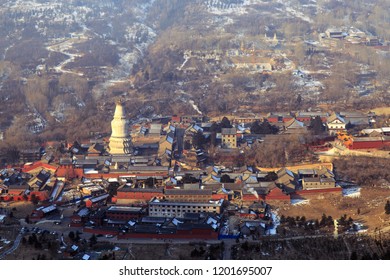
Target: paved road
[
  {"x": 227, "y": 252},
  {"x": 14, "y": 246}
]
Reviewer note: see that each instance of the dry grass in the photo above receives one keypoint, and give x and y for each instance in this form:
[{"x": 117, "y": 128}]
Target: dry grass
[
  {"x": 371, "y": 204},
  {"x": 295, "y": 168},
  {"x": 381, "y": 110},
  {"x": 21, "y": 209},
  {"x": 169, "y": 251}
]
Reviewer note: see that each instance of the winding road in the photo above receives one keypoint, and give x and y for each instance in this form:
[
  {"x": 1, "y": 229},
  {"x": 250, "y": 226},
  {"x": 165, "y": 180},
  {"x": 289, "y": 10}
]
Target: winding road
[{"x": 14, "y": 246}]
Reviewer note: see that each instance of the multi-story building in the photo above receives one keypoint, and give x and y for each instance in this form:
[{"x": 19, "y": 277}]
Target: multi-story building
[
  {"x": 166, "y": 208},
  {"x": 318, "y": 183},
  {"x": 335, "y": 124},
  {"x": 229, "y": 138},
  {"x": 125, "y": 212},
  {"x": 182, "y": 195}
]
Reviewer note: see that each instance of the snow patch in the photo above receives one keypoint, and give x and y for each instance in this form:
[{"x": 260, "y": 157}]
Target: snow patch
[
  {"x": 218, "y": 7},
  {"x": 299, "y": 201},
  {"x": 351, "y": 192},
  {"x": 275, "y": 223}
]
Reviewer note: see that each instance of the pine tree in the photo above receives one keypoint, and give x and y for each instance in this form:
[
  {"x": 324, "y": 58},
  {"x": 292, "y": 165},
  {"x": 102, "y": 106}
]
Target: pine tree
[
  {"x": 387, "y": 207},
  {"x": 316, "y": 125},
  {"x": 225, "y": 123}
]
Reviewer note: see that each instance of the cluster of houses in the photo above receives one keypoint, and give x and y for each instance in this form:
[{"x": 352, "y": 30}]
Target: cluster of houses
[
  {"x": 351, "y": 35},
  {"x": 33, "y": 181},
  {"x": 152, "y": 192},
  {"x": 371, "y": 138},
  {"x": 174, "y": 139},
  {"x": 247, "y": 59},
  {"x": 188, "y": 204}
]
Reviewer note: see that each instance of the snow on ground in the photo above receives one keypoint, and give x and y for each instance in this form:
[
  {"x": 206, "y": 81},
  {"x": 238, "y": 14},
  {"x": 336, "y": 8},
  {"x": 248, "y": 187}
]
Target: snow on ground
[
  {"x": 129, "y": 57},
  {"x": 351, "y": 192},
  {"x": 217, "y": 7},
  {"x": 298, "y": 14},
  {"x": 140, "y": 9},
  {"x": 299, "y": 201},
  {"x": 275, "y": 224},
  {"x": 292, "y": 11},
  {"x": 22, "y": 5}
]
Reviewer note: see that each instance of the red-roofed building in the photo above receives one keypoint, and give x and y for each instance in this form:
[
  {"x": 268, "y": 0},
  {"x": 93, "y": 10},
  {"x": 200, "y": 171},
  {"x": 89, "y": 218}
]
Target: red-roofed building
[
  {"x": 369, "y": 142},
  {"x": 279, "y": 117},
  {"x": 97, "y": 201},
  {"x": 68, "y": 172},
  {"x": 175, "y": 119},
  {"x": 127, "y": 194},
  {"x": 37, "y": 166},
  {"x": 276, "y": 194}
]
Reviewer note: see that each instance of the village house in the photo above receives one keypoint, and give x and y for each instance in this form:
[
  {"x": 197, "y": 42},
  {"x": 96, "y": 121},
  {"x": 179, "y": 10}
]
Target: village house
[
  {"x": 306, "y": 117},
  {"x": 96, "y": 149},
  {"x": 41, "y": 212},
  {"x": 372, "y": 41},
  {"x": 79, "y": 218},
  {"x": 187, "y": 119},
  {"x": 154, "y": 130},
  {"x": 191, "y": 226},
  {"x": 30, "y": 155},
  {"x": 165, "y": 149},
  {"x": 279, "y": 117},
  {"x": 370, "y": 142},
  {"x": 335, "y": 124},
  {"x": 252, "y": 63},
  {"x": 128, "y": 195},
  {"x": 294, "y": 126},
  {"x": 335, "y": 33},
  {"x": 355, "y": 118},
  {"x": 322, "y": 178},
  {"x": 247, "y": 119},
  {"x": 97, "y": 201},
  {"x": 229, "y": 138},
  {"x": 374, "y": 132},
  {"x": 318, "y": 183},
  {"x": 126, "y": 213},
  {"x": 287, "y": 180}
]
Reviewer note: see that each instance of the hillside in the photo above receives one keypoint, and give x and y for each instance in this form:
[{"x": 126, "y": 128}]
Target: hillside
[{"x": 63, "y": 65}]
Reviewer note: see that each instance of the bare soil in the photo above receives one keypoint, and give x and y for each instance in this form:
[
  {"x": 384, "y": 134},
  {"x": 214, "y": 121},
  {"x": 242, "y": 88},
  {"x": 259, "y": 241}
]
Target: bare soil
[{"x": 370, "y": 204}]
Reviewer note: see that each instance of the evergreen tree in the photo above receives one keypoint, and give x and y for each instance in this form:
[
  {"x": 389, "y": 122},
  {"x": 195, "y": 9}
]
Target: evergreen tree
[
  {"x": 316, "y": 126},
  {"x": 225, "y": 123},
  {"x": 71, "y": 235},
  {"x": 271, "y": 176},
  {"x": 226, "y": 179},
  {"x": 215, "y": 127},
  {"x": 93, "y": 240},
  {"x": 255, "y": 128},
  {"x": 387, "y": 207},
  {"x": 299, "y": 100},
  {"x": 263, "y": 128},
  {"x": 349, "y": 126},
  {"x": 198, "y": 140}
]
